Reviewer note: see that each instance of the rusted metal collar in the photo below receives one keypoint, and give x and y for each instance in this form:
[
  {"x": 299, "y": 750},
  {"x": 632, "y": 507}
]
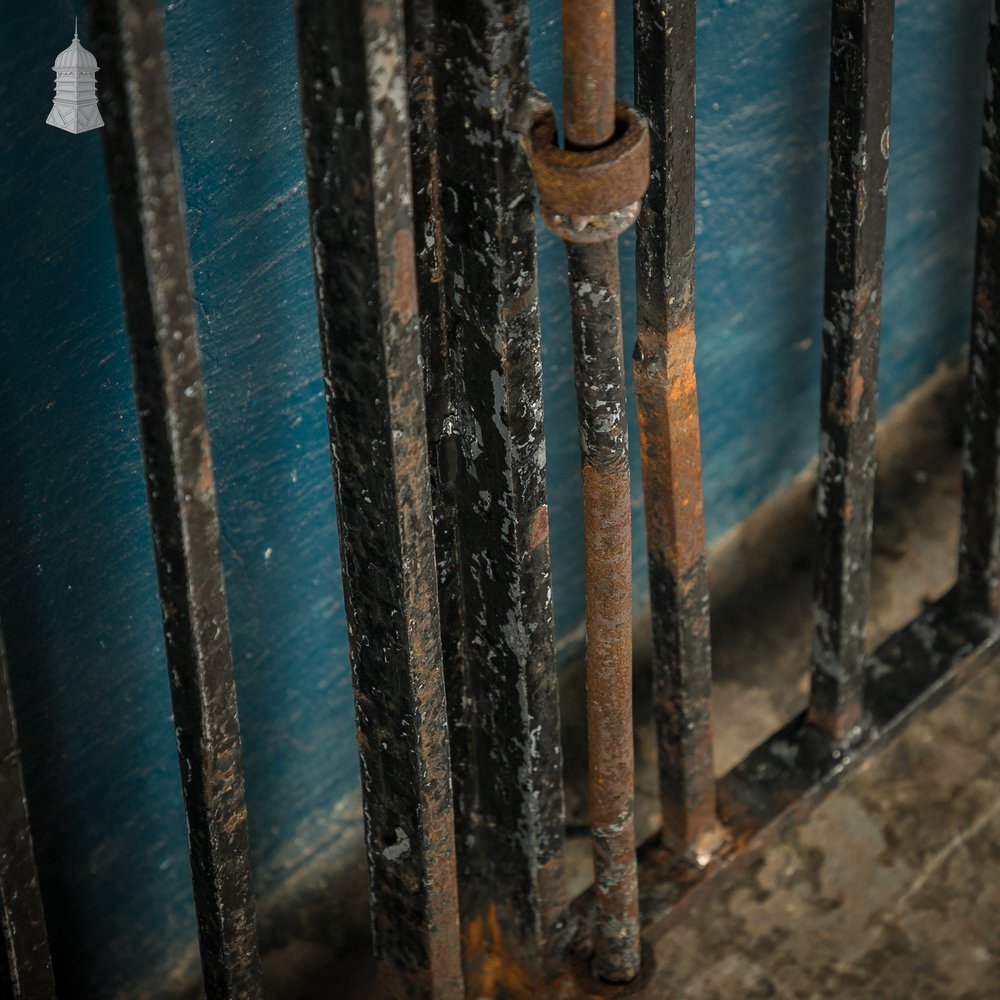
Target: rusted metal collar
[{"x": 590, "y": 195}]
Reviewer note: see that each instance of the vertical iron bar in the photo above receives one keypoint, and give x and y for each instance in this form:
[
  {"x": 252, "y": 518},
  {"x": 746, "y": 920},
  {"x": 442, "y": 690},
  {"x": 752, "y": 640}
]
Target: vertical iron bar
[
  {"x": 599, "y": 367},
  {"x": 154, "y": 268},
  {"x": 352, "y": 67},
  {"x": 667, "y": 398},
  {"x": 28, "y": 964},
  {"x": 476, "y": 269},
  {"x": 860, "y": 86},
  {"x": 588, "y": 72},
  {"x": 979, "y": 543},
  {"x": 580, "y": 211}
]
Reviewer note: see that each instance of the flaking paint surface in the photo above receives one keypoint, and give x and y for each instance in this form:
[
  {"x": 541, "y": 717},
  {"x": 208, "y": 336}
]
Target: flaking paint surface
[{"x": 77, "y": 583}]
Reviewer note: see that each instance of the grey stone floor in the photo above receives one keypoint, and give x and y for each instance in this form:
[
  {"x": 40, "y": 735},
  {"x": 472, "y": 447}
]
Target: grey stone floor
[{"x": 890, "y": 889}]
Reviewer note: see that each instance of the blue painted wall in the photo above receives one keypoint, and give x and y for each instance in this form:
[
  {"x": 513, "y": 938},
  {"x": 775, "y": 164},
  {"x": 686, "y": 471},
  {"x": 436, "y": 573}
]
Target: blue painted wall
[{"x": 77, "y": 587}]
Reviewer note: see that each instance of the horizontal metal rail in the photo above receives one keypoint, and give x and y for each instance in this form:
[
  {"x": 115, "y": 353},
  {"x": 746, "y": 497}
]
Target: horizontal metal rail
[{"x": 783, "y": 779}]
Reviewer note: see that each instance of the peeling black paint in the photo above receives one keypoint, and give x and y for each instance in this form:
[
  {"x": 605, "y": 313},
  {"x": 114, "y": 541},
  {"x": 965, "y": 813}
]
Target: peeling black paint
[
  {"x": 476, "y": 257},
  {"x": 667, "y": 399},
  {"x": 860, "y": 86},
  {"x": 352, "y": 65},
  {"x": 979, "y": 544},
  {"x": 155, "y": 272}
]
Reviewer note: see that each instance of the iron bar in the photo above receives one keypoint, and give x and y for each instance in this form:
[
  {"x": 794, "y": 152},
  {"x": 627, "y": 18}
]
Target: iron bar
[
  {"x": 476, "y": 272},
  {"x": 352, "y": 68},
  {"x": 667, "y": 400},
  {"x": 589, "y": 194},
  {"x": 860, "y": 85},
  {"x": 588, "y": 72},
  {"x": 607, "y": 529},
  {"x": 154, "y": 268},
  {"x": 27, "y": 963},
  {"x": 979, "y": 543}
]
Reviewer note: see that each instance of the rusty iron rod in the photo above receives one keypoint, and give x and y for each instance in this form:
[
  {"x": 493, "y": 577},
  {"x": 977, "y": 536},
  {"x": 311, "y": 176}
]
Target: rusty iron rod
[
  {"x": 588, "y": 28},
  {"x": 154, "y": 267},
  {"x": 590, "y": 192},
  {"x": 979, "y": 543},
  {"x": 599, "y": 367},
  {"x": 27, "y": 964},
  {"x": 860, "y": 85},
  {"x": 667, "y": 399}
]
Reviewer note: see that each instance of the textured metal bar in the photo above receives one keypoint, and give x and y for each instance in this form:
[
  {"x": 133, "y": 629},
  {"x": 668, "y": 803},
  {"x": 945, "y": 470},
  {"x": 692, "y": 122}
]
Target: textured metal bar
[
  {"x": 607, "y": 533},
  {"x": 27, "y": 965},
  {"x": 589, "y": 192},
  {"x": 979, "y": 544},
  {"x": 476, "y": 269},
  {"x": 860, "y": 84},
  {"x": 352, "y": 66},
  {"x": 667, "y": 399},
  {"x": 588, "y": 72},
  {"x": 154, "y": 267}
]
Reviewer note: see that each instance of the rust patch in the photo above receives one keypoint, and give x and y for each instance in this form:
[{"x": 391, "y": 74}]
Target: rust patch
[
  {"x": 403, "y": 279},
  {"x": 491, "y": 969},
  {"x": 590, "y": 182},
  {"x": 837, "y": 724},
  {"x": 846, "y": 411},
  {"x": 855, "y": 390},
  {"x": 588, "y": 71},
  {"x": 670, "y": 444},
  {"x": 608, "y": 569},
  {"x": 538, "y": 534}
]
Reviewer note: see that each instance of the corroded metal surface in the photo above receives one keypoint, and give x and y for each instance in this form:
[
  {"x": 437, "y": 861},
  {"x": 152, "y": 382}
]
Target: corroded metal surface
[
  {"x": 27, "y": 964},
  {"x": 588, "y": 28},
  {"x": 979, "y": 545},
  {"x": 667, "y": 399},
  {"x": 479, "y": 315},
  {"x": 352, "y": 62},
  {"x": 577, "y": 186},
  {"x": 154, "y": 267},
  {"x": 583, "y": 213},
  {"x": 607, "y": 532},
  {"x": 860, "y": 84}
]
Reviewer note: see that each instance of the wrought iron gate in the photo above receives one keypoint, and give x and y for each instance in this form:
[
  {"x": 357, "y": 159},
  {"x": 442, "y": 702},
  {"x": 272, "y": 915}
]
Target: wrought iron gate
[{"x": 422, "y": 134}]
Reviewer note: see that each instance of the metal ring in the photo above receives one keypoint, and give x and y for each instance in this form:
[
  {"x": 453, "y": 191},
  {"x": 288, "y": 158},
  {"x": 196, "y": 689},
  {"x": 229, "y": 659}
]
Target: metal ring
[{"x": 594, "y": 194}]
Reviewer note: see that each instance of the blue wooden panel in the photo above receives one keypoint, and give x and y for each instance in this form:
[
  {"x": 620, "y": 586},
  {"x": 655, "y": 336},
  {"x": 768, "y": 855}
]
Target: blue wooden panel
[{"x": 77, "y": 587}]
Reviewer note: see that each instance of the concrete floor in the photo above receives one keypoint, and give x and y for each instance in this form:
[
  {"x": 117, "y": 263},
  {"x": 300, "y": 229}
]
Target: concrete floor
[{"x": 891, "y": 888}]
